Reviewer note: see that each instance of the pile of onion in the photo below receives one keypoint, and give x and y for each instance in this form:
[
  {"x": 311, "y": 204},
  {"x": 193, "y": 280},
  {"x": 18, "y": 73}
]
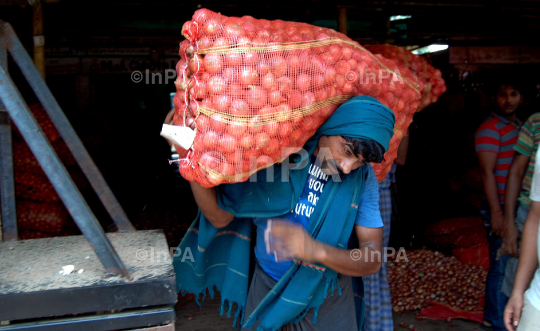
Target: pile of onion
[
  {"x": 431, "y": 77},
  {"x": 432, "y": 276}
]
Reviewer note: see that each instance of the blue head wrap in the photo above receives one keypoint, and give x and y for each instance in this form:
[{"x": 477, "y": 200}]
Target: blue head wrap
[{"x": 361, "y": 117}]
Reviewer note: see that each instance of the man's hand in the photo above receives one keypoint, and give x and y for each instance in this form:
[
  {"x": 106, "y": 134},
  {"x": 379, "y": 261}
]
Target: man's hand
[
  {"x": 512, "y": 312},
  {"x": 510, "y": 239},
  {"x": 289, "y": 240},
  {"x": 286, "y": 240},
  {"x": 497, "y": 224},
  {"x": 169, "y": 117}
]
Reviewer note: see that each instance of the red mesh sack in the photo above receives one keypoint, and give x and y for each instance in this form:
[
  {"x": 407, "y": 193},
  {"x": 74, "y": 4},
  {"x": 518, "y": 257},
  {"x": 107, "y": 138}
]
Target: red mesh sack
[
  {"x": 25, "y": 235},
  {"x": 63, "y": 152},
  {"x": 470, "y": 237},
  {"x": 255, "y": 91},
  {"x": 437, "y": 310},
  {"x": 32, "y": 186},
  {"x": 431, "y": 77},
  {"x": 478, "y": 255},
  {"x": 24, "y": 159},
  {"x": 440, "y": 242},
  {"x": 42, "y": 217},
  {"x": 44, "y": 122},
  {"x": 445, "y": 227}
]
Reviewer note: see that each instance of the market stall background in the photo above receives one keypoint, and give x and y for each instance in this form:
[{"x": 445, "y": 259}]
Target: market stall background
[{"x": 92, "y": 50}]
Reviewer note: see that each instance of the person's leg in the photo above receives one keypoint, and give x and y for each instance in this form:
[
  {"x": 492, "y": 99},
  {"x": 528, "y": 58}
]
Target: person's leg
[
  {"x": 387, "y": 322},
  {"x": 336, "y": 313},
  {"x": 495, "y": 299},
  {"x": 378, "y": 311},
  {"x": 372, "y": 301},
  {"x": 511, "y": 265},
  {"x": 260, "y": 285},
  {"x": 490, "y": 307}
]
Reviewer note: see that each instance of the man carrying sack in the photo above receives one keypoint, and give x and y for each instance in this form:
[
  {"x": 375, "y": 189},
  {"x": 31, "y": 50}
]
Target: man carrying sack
[{"x": 318, "y": 229}]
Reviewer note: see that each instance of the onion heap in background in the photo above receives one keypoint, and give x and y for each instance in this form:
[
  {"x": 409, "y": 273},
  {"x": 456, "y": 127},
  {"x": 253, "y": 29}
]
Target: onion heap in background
[
  {"x": 430, "y": 276},
  {"x": 431, "y": 77}
]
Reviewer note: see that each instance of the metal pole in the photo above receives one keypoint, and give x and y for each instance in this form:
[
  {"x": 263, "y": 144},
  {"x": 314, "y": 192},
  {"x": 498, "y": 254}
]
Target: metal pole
[
  {"x": 8, "y": 222},
  {"x": 65, "y": 129},
  {"x": 3, "y": 46},
  {"x": 58, "y": 176},
  {"x": 7, "y": 188}
]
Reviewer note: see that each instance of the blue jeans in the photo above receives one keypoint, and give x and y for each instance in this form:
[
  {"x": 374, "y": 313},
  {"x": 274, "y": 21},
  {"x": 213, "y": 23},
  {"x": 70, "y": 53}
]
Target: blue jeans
[
  {"x": 511, "y": 266},
  {"x": 495, "y": 299}
]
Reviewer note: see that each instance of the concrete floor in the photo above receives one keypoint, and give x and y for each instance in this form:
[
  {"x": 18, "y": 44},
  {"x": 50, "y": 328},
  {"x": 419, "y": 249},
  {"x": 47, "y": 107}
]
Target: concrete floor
[{"x": 191, "y": 317}]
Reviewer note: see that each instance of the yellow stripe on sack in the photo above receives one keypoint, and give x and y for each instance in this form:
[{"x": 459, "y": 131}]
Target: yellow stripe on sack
[
  {"x": 273, "y": 47},
  {"x": 233, "y": 178},
  {"x": 294, "y": 46},
  {"x": 280, "y": 116}
]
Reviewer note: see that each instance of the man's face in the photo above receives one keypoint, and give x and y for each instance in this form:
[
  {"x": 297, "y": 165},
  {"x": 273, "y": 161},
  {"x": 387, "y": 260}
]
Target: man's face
[
  {"x": 337, "y": 155},
  {"x": 508, "y": 99}
]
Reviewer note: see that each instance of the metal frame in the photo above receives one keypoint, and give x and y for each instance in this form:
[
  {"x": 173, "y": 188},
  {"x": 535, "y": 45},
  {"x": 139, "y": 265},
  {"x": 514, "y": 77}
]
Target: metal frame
[
  {"x": 7, "y": 186},
  {"x": 123, "y": 320},
  {"x": 88, "y": 299},
  {"x": 49, "y": 161},
  {"x": 65, "y": 129}
]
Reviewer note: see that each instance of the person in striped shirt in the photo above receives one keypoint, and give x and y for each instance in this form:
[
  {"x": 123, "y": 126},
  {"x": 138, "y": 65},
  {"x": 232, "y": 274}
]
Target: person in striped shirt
[
  {"x": 494, "y": 143},
  {"x": 518, "y": 191},
  {"x": 523, "y": 308}
]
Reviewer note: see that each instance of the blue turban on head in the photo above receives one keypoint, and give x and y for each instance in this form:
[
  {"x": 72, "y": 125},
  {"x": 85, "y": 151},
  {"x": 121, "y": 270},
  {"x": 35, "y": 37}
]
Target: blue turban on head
[{"x": 361, "y": 117}]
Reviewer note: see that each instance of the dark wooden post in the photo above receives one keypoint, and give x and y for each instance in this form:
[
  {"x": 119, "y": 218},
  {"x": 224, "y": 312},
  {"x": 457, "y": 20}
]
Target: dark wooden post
[
  {"x": 39, "y": 39},
  {"x": 342, "y": 20}
]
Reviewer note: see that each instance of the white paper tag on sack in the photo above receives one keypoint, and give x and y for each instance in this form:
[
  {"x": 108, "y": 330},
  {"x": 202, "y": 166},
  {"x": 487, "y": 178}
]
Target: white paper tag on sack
[{"x": 179, "y": 135}]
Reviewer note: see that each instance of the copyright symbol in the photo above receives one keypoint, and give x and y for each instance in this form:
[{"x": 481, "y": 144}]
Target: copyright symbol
[
  {"x": 136, "y": 76},
  {"x": 356, "y": 254},
  {"x": 350, "y": 76},
  {"x": 141, "y": 254}
]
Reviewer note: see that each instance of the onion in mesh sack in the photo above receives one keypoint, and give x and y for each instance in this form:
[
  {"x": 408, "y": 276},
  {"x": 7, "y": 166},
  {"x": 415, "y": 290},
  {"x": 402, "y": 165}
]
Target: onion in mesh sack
[{"x": 274, "y": 82}]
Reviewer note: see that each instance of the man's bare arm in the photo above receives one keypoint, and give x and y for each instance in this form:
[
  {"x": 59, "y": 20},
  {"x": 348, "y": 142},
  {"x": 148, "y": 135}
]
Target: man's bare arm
[
  {"x": 207, "y": 201},
  {"x": 528, "y": 262},
  {"x": 513, "y": 186},
  {"x": 403, "y": 148},
  {"x": 366, "y": 261},
  {"x": 169, "y": 120},
  {"x": 488, "y": 161},
  {"x": 290, "y": 240}
]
